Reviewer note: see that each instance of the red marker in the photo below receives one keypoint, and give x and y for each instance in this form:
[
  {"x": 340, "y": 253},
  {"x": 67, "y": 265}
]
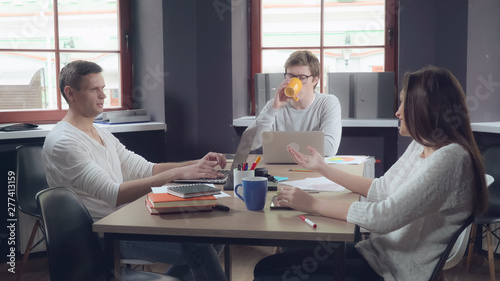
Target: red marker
[
  {"x": 308, "y": 221},
  {"x": 255, "y": 163}
]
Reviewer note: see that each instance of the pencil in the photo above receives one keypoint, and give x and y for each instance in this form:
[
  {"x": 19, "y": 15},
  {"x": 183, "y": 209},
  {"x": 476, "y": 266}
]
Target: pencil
[{"x": 298, "y": 170}]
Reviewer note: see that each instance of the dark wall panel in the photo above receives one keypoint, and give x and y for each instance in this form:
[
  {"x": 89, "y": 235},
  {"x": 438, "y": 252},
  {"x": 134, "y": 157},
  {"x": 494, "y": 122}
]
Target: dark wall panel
[{"x": 198, "y": 95}]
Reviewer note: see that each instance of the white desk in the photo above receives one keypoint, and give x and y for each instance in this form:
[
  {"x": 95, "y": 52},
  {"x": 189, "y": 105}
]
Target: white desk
[
  {"x": 44, "y": 129},
  {"x": 486, "y": 127}
]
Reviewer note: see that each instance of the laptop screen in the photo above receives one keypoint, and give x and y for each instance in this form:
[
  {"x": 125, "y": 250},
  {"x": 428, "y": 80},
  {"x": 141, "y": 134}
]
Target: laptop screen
[
  {"x": 275, "y": 144},
  {"x": 241, "y": 155}
]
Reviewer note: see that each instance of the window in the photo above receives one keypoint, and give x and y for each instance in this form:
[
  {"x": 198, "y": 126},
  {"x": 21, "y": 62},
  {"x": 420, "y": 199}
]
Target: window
[
  {"x": 37, "y": 38},
  {"x": 345, "y": 35}
]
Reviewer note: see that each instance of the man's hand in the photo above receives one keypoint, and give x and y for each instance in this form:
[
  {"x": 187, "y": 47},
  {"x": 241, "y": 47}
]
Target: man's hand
[
  {"x": 200, "y": 169},
  {"x": 218, "y": 157},
  {"x": 280, "y": 99}
]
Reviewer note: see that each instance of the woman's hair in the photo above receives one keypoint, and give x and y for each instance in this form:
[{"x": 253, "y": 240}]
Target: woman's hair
[
  {"x": 436, "y": 114},
  {"x": 72, "y": 73},
  {"x": 306, "y": 58}
]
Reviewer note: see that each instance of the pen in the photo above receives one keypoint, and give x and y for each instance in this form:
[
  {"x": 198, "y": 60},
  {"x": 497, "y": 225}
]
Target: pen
[
  {"x": 255, "y": 163},
  {"x": 308, "y": 221},
  {"x": 298, "y": 170}
]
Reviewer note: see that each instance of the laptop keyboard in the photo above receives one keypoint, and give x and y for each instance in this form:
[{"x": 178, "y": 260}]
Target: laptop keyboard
[
  {"x": 209, "y": 180},
  {"x": 224, "y": 172}
]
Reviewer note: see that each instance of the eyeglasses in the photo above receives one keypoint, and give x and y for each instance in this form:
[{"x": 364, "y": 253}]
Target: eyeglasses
[{"x": 302, "y": 78}]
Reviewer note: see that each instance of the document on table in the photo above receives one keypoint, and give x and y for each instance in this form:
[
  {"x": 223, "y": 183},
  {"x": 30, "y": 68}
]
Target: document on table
[{"x": 317, "y": 184}]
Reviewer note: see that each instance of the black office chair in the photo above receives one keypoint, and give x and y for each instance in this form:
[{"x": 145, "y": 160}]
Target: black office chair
[
  {"x": 437, "y": 273},
  {"x": 30, "y": 180},
  {"x": 74, "y": 250},
  {"x": 491, "y": 157}
]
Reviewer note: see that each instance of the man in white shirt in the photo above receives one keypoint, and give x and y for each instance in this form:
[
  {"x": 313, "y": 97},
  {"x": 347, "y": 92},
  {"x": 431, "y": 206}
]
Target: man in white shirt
[
  {"x": 94, "y": 164},
  {"x": 311, "y": 112}
]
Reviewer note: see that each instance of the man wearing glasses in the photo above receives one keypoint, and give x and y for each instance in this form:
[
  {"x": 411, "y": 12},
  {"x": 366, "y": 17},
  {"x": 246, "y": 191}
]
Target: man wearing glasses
[{"x": 311, "y": 112}]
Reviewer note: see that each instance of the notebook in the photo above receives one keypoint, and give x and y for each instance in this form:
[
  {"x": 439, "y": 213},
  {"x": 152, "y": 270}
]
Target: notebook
[
  {"x": 165, "y": 200},
  {"x": 274, "y": 145},
  {"x": 171, "y": 210},
  {"x": 240, "y": 157},
  {"x": 192, "y": 190}
]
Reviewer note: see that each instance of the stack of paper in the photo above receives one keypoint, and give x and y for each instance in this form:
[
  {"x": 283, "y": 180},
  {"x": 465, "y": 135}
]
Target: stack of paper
[{"x": 123, "y": 116}]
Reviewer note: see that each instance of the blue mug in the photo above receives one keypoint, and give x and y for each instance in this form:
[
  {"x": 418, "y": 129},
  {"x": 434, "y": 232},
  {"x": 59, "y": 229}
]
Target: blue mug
[{"x": 254, "y": 192}]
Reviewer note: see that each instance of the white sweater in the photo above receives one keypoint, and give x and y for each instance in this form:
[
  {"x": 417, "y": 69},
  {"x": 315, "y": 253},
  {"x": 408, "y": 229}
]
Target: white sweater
[
  {"x": 322, "y": 115},
  {"x": 92, "y": 170},
  {"x": 413, "y": 210}
]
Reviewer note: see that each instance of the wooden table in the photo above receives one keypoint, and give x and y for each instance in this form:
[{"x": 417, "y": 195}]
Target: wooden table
[{"x": 238, "y": 226}]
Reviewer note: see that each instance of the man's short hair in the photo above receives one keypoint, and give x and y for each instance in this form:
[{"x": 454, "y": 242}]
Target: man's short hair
[
  {"x": 306, "y": 58},
  {"x": 71, "y": 74}
]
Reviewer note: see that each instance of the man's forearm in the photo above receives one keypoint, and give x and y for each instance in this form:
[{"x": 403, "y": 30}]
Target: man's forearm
[
  {"x": 162, "y": 167},
  {"x": 131, "y": 190}
]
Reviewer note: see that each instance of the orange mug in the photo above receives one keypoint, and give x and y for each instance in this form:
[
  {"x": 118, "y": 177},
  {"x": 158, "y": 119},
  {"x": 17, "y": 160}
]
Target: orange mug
[{"x": 293, "y": 88}]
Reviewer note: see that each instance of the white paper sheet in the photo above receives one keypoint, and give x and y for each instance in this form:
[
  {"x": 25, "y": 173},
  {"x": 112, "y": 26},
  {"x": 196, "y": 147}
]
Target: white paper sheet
[{"x": 317, "y": 184}]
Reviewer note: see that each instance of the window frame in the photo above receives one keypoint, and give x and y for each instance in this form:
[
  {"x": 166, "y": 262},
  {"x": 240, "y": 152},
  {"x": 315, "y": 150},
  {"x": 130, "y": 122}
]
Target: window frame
[
  {"x": 54, "y": 115},
  {"x": 255, "y": 10}
]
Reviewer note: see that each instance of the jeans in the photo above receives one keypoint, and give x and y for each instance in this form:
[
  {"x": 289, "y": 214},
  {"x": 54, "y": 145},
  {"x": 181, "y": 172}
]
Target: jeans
[{"x": 201, "y": 259}]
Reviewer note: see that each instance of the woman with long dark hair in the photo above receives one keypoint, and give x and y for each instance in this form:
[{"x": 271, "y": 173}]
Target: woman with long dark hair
[{"x": 413, "y": 210}]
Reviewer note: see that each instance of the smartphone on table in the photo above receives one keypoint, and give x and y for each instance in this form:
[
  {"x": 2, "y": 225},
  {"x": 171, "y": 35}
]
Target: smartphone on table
[{"x": 275, "y": 205}]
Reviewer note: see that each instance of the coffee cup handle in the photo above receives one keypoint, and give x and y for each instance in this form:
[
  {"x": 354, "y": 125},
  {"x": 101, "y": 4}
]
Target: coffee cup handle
[{"x": 236, "y": 191}]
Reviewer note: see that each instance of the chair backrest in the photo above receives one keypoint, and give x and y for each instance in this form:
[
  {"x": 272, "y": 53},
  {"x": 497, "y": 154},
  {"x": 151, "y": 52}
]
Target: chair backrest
[
  {"x": 73, "y": 249},
  {"x": 444, "y": 256},
  {"x": 458, "y": 250},
  {"x": 491, "y": 158},
  {"x": 30, "y": 177}
]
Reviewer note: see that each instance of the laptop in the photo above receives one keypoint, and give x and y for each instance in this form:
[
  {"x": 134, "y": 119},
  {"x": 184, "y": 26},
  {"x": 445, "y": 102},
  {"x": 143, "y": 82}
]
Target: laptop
[
  {"x": 274, "y": 145},
  {"x": 240, "y": 157}
]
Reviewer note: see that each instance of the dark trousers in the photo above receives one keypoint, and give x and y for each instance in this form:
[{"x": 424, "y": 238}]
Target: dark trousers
[{"x": 313, "y": 264}]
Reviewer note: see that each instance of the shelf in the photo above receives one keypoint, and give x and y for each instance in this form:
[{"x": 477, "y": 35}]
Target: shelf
[
  {"x": 248, "y": 120},
  {"x": 486, "y": 127},
  {"x": 43, "y": 130}
]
